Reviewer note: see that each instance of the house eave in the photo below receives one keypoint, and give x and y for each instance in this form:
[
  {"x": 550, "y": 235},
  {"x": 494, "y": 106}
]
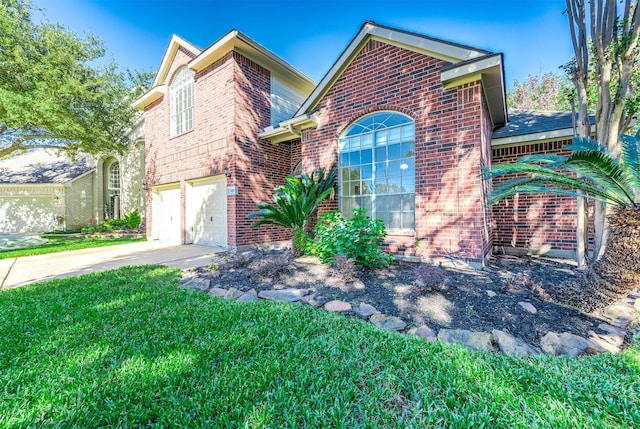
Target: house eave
[
  {"x": 170, "y": 53},
  {"x": 152, "y": 95},
  {"x": 490, "y": 70},
  {"x": 290, "y": 129},
  {"x": 239, "y": 42},
  {"x": 563, "y": 133}
]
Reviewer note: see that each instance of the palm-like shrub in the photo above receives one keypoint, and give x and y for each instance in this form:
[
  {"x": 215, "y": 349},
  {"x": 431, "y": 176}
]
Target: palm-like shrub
[
  {"x": 590, "y": 171},
  {"x": 295, "y": 203}
]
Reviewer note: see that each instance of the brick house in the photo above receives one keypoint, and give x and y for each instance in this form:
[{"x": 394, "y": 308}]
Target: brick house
[
  {"x": 410, "y": 121},
  {"x": 43, "y": 189}
]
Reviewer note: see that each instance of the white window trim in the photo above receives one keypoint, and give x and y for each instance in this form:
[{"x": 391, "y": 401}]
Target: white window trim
[{"x": 181, "y": 102}]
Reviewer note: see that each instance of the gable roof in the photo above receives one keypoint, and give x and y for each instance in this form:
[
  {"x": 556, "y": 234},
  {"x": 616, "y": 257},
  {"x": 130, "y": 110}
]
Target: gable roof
[
  {"x": 437, "y": 48},
  {"x": 41, "y": 166},
  {"x": 234, "y": 40},
  {"x": 531, "y": 125}
]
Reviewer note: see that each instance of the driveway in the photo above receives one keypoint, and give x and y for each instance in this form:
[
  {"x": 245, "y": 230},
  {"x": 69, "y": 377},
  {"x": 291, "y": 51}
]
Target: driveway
[{"x": 32, "y": 269}]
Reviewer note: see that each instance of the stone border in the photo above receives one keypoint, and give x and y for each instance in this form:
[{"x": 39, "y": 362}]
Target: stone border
[{"x": 610, "y": 338}]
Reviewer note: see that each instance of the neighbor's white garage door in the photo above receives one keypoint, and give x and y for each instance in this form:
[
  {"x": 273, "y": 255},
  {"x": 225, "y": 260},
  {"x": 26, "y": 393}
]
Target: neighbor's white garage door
[
  {"x": 207, "y": 211},
  {"x": 27, "y": 214},
  {"x": 166, "y": 215}
]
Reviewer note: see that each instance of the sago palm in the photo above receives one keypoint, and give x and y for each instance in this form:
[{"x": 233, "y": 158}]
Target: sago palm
[
  {"x": 296, "y": 202},
  {"x": 590, "y": 171}
]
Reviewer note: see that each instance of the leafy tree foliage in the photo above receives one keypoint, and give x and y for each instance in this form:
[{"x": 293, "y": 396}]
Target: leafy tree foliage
[
  {"x": 547, "y": 91},
  {"x": 52, "y": 93}
]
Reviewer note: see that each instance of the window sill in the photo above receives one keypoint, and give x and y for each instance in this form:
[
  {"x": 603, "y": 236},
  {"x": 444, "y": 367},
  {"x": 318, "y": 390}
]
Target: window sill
[
  {"x": 401, "y": 232},
  {"x": 181, "y": 134}
]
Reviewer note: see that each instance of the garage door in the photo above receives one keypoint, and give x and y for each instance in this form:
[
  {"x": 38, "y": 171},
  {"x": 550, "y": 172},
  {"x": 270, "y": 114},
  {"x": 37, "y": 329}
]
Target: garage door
[
  {"x": 166, "y": 215},
  {"x": 27, "y": 214},
  {"x": 207, "y": 212}
]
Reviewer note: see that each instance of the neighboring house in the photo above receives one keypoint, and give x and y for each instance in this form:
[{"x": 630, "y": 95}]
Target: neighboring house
[
  {"x": 43, "y": 189},
  {"x": 410, "y": 120}
]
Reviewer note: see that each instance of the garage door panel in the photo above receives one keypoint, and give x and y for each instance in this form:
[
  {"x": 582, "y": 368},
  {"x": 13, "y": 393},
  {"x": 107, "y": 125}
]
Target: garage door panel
[
  {"x": 27, "y": 214},
  {"x": 168, "y": 215},
  {"x": 207, "y": 208}
]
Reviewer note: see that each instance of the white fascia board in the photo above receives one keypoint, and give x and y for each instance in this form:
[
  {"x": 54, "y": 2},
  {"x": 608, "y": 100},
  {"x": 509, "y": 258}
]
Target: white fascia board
[
  {"x": 152, "y": 95},
  {"x": 277, "y": 134},
  {"x": 170, "y": 53},
  {"x": 533, "y": 138},
  {"x": 471, "y": 68},
  {"x": 214, "y": 52},
  {"x": 537, "y": 137},
  {"x": 414, "y": 42}
]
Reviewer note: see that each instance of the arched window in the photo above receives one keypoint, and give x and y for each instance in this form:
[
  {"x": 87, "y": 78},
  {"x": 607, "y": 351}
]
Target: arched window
[
  {"x": 182, "y": 102},
  {"x": 113, "y": 189},
  {"x": 377, "y": 168}
]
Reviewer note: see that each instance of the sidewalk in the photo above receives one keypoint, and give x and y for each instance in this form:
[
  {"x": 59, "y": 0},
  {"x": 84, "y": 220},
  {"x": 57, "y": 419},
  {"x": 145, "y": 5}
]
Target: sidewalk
[{"x": 32, "y": 269}]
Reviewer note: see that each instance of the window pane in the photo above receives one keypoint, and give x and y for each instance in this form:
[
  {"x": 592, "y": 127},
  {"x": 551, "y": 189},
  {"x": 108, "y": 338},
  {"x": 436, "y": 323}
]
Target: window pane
[
  {"x": 394, "y": 167},
  {"x": 381, "y": 138},
  {"x": 408, "y": 183},
  {"x": 409, "y": 220},
  {"x": 395, "y": 221},
  {"x": 381, "y": 169},
  {"x": 382, "y": 203},
  {"x": 344, "y": 159},
  {"x": 395, "y": 135},
  {"x": 408, "y": 203},
  {"x": 408, "y": 150},
  {"x": 394, "y": 151},
  {"x": 367, "y": 187},
  {"x": 408, "y": 166},
  {"x": 344, "y": 188},
  {"x": 395, "y": 203},
  {"x": 367, "y": 141},
  {"x": 367, "y": 172},
  {"x": 354, "y": 158},
  {"x": 354, "y": 173},
  {"x": 381, "y": 153},
  {"x": 408, "y": 133},
  {"x": 366, "y": 156}
]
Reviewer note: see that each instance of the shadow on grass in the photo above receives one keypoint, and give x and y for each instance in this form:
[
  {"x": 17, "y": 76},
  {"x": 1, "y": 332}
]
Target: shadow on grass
[{"x": 130, "y": 348}]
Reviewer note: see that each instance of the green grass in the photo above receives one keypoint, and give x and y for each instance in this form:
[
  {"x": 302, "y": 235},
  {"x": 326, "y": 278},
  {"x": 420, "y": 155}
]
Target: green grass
[
  {"x": 128, "y": 348},
  {"x": 60, "y": 244}
]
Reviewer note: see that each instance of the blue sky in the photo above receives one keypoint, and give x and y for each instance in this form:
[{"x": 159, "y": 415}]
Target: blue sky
[{"x": 310, "y": 35}]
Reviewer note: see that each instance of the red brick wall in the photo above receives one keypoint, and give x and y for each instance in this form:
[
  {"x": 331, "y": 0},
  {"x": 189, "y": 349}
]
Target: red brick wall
[
  {"x": 450, "y": 126},
  {"x": 231, "y": 103},
  {"x": 536, "y": 222}
]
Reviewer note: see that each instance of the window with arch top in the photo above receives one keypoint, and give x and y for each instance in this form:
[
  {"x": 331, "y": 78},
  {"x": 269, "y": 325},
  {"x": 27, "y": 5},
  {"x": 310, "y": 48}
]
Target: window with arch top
[
  {"x": 377, "y": 168},
  {"x": 181, "y": 101}
]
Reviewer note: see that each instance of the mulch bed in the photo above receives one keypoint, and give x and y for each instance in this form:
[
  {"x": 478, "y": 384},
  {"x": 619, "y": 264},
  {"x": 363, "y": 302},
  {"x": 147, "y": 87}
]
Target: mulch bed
[{"x": 456, "y": 298}]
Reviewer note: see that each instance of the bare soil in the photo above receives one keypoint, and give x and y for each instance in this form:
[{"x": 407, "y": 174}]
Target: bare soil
[{"x": 456, "y": 298}]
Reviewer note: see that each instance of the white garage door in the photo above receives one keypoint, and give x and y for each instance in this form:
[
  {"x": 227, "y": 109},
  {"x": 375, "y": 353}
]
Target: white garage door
[
  {"x": 27, "y": 214},
  {"x": 166, "y": 215},
  {"x": 207, "y": 212}
]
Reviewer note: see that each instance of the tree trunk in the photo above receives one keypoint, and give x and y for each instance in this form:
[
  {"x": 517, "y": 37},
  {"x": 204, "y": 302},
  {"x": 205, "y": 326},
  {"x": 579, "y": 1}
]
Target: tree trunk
[{"x": 617, "y": 272}]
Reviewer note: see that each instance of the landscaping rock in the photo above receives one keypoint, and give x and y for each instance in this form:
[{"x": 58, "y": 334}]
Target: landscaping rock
[
  {"x": 636, "y": 304},
  {"x": 186, "y": 277},
  {"x": 513, "y": 346},
  {"x": 419, "y": 283},
  {"x": 337, "y": 306},
  {"x": 315, "y": 300},
  {"x": 610, "y": 329},
  {"x": 491, "y": 293},
  {"x": 424, "y": 332},
  {"x": 565, "y": 344},
  {"x": 527, "y": 306},
  {"x": 198, "y": 283},
  {"x": 283, "y": 295},
  {"x": 601, "y": 345},
  {"x": 391, "y": 323},
  {"x": 620, "y": 315},
  {"x": 616, "y": 340},
  {"x": 250, "y": 296},
  {"x": 233, "y": 293},
  {"x": 364, "y": 311},
  {"x": 479, "y": 341},
  {"x": 218, "y": 291}
]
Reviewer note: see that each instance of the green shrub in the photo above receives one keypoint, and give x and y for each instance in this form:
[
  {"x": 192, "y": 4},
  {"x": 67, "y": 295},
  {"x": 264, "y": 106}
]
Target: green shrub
[
  {"x": 358, "y": 238},
  {"x": 132, "y": 219}
]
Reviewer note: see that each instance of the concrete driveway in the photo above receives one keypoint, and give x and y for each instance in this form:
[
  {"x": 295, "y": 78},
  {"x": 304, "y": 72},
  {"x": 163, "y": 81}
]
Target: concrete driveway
[{"x": 31, "y": 269}]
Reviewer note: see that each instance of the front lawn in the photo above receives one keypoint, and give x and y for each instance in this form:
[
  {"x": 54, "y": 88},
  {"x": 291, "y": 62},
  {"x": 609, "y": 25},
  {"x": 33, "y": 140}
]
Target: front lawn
[
  {"x": 129, "y": 348},
  {"x": 60, "y": 244}
]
